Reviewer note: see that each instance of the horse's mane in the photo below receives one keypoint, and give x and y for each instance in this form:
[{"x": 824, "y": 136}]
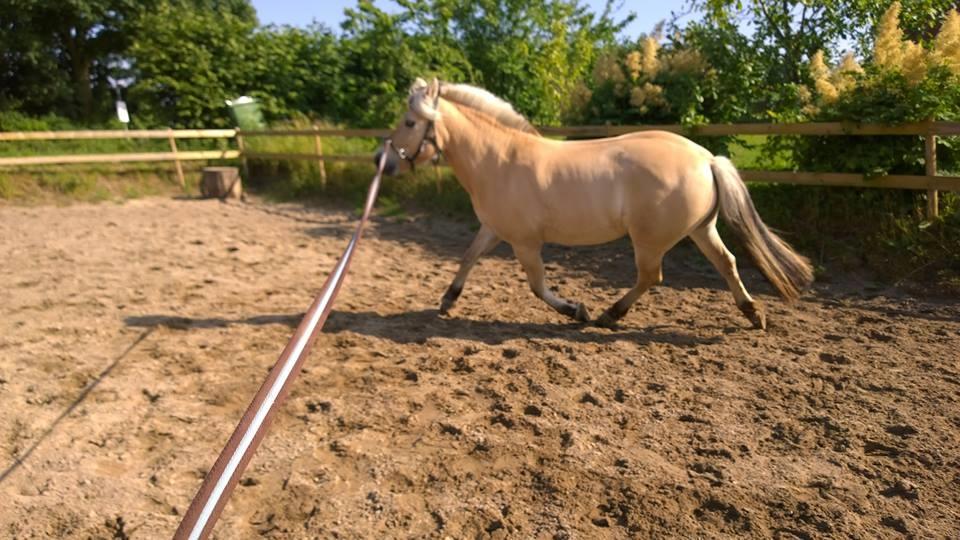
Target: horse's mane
[{"x": 484, "y": 102}]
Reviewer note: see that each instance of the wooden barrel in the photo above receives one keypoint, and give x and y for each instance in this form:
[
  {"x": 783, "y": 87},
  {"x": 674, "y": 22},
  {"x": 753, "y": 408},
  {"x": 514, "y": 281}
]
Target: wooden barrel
[{"x": 221, "y": 182}]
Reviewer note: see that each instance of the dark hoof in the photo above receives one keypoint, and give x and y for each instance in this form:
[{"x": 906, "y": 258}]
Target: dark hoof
[
  {"x": 575, "y": 311},
  {"x": 449, "y": 299},
  {"x": 755, "y": 314},
  {"x": 605, "y": 320}
]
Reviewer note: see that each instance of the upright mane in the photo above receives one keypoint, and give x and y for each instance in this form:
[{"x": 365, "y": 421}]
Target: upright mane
[{"x": 483, "y": 101}]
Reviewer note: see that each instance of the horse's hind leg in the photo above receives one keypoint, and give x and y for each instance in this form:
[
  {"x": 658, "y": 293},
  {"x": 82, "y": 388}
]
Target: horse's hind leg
[
  {"x": 529, "y": 257},
  {"x": 483, "y": 243},
  {"x": 708, "y": 240},
  {"x": 649, "y": 273}
]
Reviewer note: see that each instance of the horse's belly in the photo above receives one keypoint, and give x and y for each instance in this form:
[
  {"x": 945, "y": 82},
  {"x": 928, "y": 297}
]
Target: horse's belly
[{"x": 583, "y": 228}]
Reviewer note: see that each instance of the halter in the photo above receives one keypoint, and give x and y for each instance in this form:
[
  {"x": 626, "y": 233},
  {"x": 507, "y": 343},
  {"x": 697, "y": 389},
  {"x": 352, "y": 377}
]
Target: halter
[{"x": 429, "y": 136}]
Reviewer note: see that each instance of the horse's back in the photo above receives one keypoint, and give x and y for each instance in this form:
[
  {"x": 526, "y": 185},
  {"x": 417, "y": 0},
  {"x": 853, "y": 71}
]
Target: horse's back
[
  {"x": 592, "y": 191},
  {"x": 664, "y": 179}
]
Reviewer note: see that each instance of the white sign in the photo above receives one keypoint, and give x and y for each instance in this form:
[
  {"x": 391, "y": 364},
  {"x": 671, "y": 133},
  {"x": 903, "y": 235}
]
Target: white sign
[{"x": 122, "y": 113}]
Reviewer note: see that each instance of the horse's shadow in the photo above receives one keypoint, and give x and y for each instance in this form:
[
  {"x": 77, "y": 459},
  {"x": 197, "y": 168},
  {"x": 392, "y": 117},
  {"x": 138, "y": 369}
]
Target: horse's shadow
[
  {"x": 416, "y": 327},
  {"x": 178, "y": 322}
]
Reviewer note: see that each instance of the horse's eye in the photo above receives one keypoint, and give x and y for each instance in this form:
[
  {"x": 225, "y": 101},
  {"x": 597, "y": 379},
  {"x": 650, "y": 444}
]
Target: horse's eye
[{"x": 410, "y": 123}]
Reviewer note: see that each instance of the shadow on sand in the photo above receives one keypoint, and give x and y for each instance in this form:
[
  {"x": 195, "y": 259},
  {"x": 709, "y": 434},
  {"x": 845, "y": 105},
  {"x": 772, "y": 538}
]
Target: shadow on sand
[
  {"x": 416, "y": 327},
  {"x": 419, "y": 326},
  {"x": 185, "y": 323}
]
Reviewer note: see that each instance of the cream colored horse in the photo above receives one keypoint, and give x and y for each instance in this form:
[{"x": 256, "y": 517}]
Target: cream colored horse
[{"x": 527, "y": 190}]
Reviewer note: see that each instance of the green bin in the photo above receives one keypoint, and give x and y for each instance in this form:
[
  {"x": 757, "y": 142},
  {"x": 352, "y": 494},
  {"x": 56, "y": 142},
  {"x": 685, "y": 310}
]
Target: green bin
[{"x": 246, "y": 113}]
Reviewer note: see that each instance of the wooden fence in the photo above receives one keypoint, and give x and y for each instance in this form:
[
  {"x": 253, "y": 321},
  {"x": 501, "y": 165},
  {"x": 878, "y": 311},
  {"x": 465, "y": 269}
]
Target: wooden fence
[{"x": 930, "y": 182}]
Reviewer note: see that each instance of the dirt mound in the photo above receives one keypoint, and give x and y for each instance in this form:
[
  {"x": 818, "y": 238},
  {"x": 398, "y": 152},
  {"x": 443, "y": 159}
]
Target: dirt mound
[{"x": 502, "y": 420}]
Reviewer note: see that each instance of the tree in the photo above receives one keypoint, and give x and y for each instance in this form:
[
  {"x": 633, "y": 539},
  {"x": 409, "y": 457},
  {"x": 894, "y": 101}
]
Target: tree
[
  {"x": 532, "y": 52},
  {"x": 379, "y": 63},
  {"x": 58, "y": 56},
  {"x": 919, "y": 19},
  {"x": 295, "y": 70},
  {"x": 30, "y": 77},
  {"x": 785, "y": 32},
  {"x": 187, "y": 62},
  {"x": 74, "y": 38}
]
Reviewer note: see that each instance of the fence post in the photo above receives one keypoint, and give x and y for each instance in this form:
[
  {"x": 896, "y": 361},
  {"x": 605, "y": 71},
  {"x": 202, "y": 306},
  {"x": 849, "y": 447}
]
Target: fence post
[
  {"x": 176, "y": 160},
  {"x": 243, "y": 154},
  {"x": 930, "y": 155},
  {"x": 318, "y": 149}
]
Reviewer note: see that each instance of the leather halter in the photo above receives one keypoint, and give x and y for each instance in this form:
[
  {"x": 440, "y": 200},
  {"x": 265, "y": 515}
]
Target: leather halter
[{"x": 429, "y": 136}]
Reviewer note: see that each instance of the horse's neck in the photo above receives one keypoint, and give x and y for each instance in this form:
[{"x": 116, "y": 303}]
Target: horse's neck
[{"x": 470, "y": 145}]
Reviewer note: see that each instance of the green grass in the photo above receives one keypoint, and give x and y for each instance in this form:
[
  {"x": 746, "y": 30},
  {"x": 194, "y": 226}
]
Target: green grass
[
  {"x": 758, "y": 152},
  {"x": 103, "y": 182},
  {"x": 348, "y": 182},
  {"x": 7, "y": 189},
  {"x": 107, "y": 146}
]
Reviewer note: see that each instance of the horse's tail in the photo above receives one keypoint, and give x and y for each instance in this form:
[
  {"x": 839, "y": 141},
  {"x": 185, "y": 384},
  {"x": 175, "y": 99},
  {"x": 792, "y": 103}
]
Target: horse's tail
[{"x": 786, "y": 269}]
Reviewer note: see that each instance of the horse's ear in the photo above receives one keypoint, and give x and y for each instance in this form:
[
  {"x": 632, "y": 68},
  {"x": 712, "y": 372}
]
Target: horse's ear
[
  {"x": 434, "y": 90},
  {"x": 418, "y": 86}
]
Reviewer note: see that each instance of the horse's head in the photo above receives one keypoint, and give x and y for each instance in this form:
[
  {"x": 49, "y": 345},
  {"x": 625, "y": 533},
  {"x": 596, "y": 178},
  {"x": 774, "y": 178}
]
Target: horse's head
[{"x": 414, "y": 140}]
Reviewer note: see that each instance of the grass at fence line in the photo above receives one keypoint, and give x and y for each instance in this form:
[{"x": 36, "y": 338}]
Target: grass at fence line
[
  {"x": 107, "y": 146},
  {"x": 348, "y": 182},
  {"x": 64, "y": 184},
  {"x": 61, "y": 184}
]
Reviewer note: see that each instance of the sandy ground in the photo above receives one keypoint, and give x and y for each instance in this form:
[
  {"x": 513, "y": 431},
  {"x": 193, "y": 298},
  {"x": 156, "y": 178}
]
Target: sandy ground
[{"x": 503, "y": 420}]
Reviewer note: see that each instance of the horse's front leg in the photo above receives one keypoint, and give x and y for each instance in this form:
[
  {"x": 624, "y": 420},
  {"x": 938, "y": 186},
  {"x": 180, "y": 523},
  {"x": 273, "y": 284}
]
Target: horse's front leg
[
  {"x": 483, "y": 243},
  {"x": 529, "y": 257},
  {"x": 649, "y": 273}
]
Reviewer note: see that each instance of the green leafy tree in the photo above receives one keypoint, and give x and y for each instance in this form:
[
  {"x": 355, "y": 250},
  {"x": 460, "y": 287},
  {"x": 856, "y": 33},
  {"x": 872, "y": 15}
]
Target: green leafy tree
[
  {"x": 58, "y": 56},
  {"x": 383, "y": 54},
  {"x": 533, "y": 52},
  {"x": 761, "y": 48},
  {"x": 919, "y": 19},
  {"x": 187, "y": 62},
  {"x": 31, "y": 79},
  {"x": 295, "y": 71},
  {"x": 69, "y": 41}
]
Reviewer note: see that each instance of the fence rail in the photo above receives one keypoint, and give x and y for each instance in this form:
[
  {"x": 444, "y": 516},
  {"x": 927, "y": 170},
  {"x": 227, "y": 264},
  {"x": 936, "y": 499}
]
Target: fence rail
[
  {"x": 931, "y": 181},
  {"x": 200, "y": 155},
  {"x": 811, "y": 128},
  {"x": 118, "y": 134}
]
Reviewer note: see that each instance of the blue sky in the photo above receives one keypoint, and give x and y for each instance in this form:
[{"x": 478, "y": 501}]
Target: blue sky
[{"x": 330, "y": 12}]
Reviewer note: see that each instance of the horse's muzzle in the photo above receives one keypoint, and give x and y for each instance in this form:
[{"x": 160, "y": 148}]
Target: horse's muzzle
[{"x": 390, "y": 167}]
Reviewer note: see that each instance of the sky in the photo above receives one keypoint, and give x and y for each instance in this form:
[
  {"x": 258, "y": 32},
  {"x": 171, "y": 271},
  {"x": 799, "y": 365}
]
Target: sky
[{"x": 330, "y": 12}]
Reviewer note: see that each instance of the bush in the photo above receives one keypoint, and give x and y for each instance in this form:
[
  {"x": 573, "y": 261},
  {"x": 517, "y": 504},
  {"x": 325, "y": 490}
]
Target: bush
[{"x": 885, "y": 229}]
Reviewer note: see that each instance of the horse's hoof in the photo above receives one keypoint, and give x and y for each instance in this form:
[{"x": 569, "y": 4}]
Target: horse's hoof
[
  {"x": 605, "y": 320},
  {"x": 582, "y": 315},
  {"x": 449, "y": 299},
  {"x": 755, "y": 314}
]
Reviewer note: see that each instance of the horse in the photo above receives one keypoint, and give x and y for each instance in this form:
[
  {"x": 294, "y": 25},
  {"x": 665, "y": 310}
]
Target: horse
[{"x": 528, "y": 190}]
